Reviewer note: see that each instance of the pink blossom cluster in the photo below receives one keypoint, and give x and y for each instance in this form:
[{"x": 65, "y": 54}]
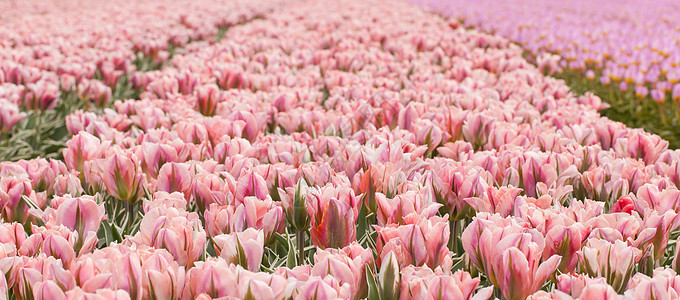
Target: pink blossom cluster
[
  {"x": 633, "y": 43},
  {"x": 311, "y": 118}
]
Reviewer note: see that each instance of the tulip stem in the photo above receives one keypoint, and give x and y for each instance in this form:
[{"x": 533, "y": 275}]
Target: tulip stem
[
  {"x": 38, "y": 129},
  {"x": 453, "y": 234},
  {"x": 301, "y": 247}
]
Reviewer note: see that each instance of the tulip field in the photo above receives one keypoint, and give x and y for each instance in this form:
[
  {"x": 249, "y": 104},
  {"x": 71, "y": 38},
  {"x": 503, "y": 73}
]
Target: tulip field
[
  {"x": 299, "y": 149},
  {"x": 627, "y": 51}
]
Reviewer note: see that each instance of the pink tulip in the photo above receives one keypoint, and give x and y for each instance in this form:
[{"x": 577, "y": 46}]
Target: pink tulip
[
  {"x": 154, "y": 156},
  {"x": 264, "y": 214},
  {"x": 68, "y": 184},
  {"x": 14, "y": 209},
  {"x": 175, "y": 230},
  {"x": 565, "y": 242},
  {"x": 424, "y": 283},
  {"x": 164, "y": 279},
  {"x": 130, "y": 277},
  {"x": 208, "y": 96},
  {"x": 41, "y": 95},
  {"x": 95, "y": 91},
  {"x": 9, "y": 116},
  {"x": 174, "y": 177},
  {"x": 207, "y": 189},
  {"x": 317, "y": 288},
  {"x": 419, "y": 242},
  {"x": 48, "y": 290},
  {"x": 224, "y": 219},
  {"x": 397, "y": 209},
  {"x": 121, "y": 174},
  {"x": 216, "y": 278},
  {"x": 509, "y": 255},
  {"x": 496, "y": 200},
  {"x": 58, "y": 247},
  {"x": 346, "y": 265},
  {"x": 82, "y": 215},
  {"x": 613, "y": 261},
  {"x": 250, "y": 184},
  {"x": 242, "y": 248},
  {"x": 333, "y": 212},
  {"x": 573, "y": 284}
]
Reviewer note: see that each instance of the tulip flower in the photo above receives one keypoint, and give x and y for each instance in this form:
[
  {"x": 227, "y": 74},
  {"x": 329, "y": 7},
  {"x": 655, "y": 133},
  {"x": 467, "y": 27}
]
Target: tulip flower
[
  {"x": 41, "y": 95},
  {"x": 242, "y": 248},
  {"x": 121, "y": 173},
  {"x": 613, "y": 261},
  {"x": 565, "y": 242},
  {"x": 495, "y": 200},
  {"x": 509, "y": 255},
  {"x": 9, "y": 116},
  {"x": 82, "y": 215},
  {"x": 333, "y": 214},
  {"x": 264, "y": 214},
  {"x": 174, "y": 177},
  {"x": 178, "y": 232}
]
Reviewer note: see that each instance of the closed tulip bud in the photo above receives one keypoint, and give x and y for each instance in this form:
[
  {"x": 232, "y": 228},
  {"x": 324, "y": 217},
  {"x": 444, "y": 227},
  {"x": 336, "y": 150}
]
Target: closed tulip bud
[
  {"x": 389, "y": 278},
  {"x": 295, "y": 205}
]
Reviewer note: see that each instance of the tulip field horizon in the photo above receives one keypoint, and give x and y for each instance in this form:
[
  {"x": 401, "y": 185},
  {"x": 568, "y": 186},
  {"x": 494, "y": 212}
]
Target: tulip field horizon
[{"x": 360, "y": 149}]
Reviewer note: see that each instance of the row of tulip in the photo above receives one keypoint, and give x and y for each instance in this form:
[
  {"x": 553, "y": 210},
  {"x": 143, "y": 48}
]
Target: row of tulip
[
  {"x": 363, "y": 149},
  {"x": 627, "y": 51},
  {"x": 57, "y": 59}
]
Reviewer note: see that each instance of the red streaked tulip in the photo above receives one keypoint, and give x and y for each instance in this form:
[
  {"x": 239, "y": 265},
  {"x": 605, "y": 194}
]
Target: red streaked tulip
[{"x": 333, "y": 216}]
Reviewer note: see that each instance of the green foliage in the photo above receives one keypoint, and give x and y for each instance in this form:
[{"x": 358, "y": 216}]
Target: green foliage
[
  {"x": 662, "y": 119},
  {"x": 41, "y": 133}
]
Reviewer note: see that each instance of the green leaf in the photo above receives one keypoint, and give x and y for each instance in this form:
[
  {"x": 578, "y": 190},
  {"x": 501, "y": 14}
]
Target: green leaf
[{"x": 373, "y": 293}]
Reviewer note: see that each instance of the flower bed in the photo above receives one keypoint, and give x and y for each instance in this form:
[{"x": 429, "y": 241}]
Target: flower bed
[
  {"x": 626, "y": 52},
  {"x": 364, "y": 149}
]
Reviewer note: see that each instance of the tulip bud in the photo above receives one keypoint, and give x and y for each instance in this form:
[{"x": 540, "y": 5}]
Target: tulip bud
[
  {"x": 389, "y": 277},
  {"x": 295, "y": 206}
]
